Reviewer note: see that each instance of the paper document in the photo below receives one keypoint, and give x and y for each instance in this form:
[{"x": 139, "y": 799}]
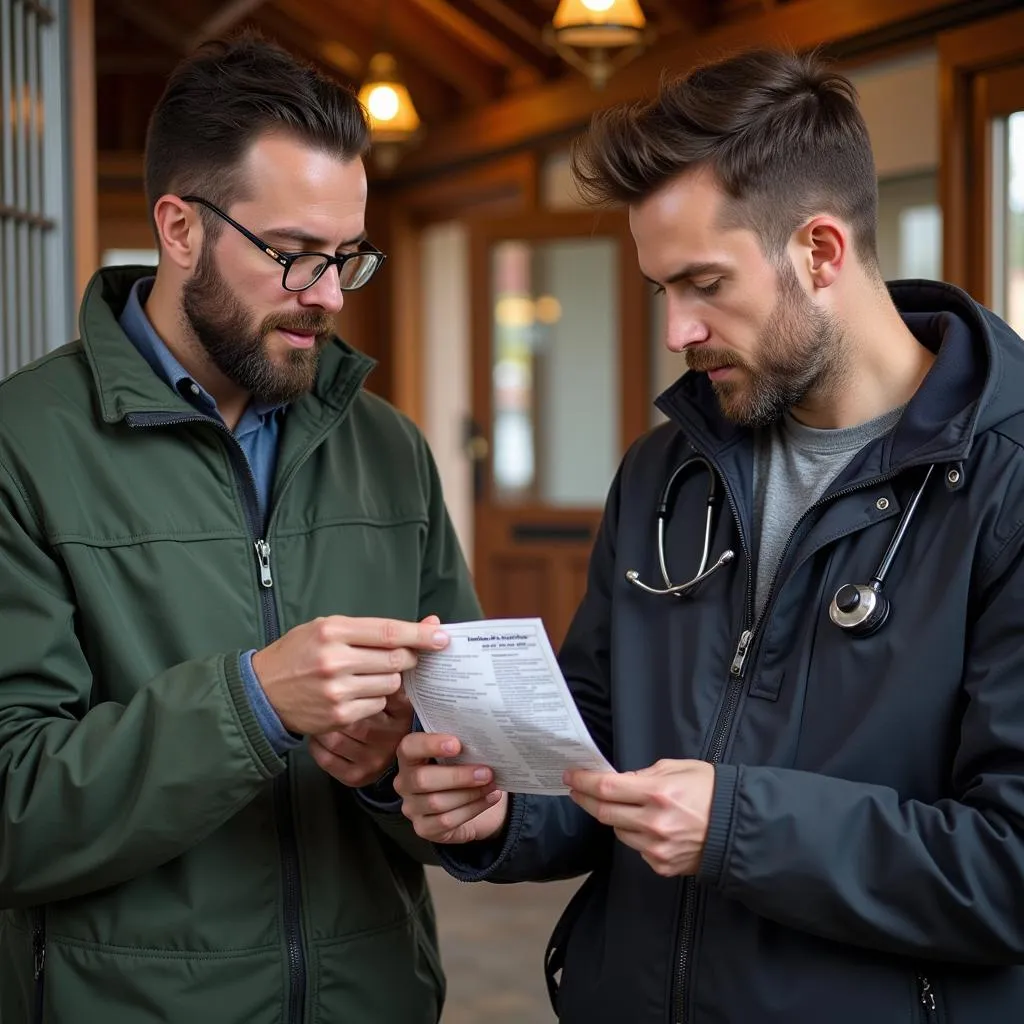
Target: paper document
[{"x": 498, "y": 688}]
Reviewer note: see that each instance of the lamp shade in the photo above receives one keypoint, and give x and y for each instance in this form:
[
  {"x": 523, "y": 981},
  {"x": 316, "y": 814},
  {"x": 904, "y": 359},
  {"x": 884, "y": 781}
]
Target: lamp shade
[
  {"x": 600, "y": 24},
  {"x": 393, "y": 117}
]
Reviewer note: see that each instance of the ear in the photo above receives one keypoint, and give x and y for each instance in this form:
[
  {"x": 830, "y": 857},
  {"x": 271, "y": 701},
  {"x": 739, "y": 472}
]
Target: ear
[
  {"x": 821, "y": 249},
  {"x": 179, "y": 230}
]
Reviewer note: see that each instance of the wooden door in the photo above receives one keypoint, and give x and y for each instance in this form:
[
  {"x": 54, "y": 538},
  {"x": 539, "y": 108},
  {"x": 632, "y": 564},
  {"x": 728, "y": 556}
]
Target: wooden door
[
  {"x": 982, "y": 69},
  {"x": 560, "y": 388}
]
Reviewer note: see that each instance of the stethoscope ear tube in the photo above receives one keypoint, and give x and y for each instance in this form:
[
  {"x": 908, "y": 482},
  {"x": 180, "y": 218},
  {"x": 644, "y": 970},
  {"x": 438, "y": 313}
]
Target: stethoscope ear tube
[{"x": 664, "y": 511}]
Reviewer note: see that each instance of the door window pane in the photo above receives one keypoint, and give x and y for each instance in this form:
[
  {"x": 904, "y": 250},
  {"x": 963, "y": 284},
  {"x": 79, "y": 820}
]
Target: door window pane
[
  {"x": 1013, "y": 223},
  {"x": 554, "y": 373}
]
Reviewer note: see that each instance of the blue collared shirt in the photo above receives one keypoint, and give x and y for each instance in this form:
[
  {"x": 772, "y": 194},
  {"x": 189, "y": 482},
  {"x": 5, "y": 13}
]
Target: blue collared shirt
[{"x": 257, "y": 435}]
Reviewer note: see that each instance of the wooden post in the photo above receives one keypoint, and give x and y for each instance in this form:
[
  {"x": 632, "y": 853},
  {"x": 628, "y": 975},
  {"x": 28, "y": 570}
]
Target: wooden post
[{"x": 85, "y": 228}]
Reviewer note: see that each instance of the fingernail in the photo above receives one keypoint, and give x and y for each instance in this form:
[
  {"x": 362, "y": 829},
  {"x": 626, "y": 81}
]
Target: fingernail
[
  {"x": 493, "y": 798},
  {"x": 440, "y": 639},
  {"x": 449, "y": 746},
  {"x": 481, "y": 774}
]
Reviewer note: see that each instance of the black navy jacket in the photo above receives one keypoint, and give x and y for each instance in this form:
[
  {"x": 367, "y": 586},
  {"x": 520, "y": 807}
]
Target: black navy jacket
[{"x": 865, "y": 857}]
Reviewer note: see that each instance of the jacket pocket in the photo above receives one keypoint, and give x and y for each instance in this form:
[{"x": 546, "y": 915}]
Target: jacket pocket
[{"x": 38, "y": 917}]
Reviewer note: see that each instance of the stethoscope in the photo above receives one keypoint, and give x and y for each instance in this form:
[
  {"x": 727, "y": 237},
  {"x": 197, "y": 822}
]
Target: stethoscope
[{"x": 859, "y": 609}]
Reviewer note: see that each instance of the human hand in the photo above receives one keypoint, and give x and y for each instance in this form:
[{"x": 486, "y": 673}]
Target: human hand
[
  {"x": 328, "y": 674},
  {"x": 362, "y": 753},
  {"x": 456, "y": 803},
  {"x": 661, "y": 811}
]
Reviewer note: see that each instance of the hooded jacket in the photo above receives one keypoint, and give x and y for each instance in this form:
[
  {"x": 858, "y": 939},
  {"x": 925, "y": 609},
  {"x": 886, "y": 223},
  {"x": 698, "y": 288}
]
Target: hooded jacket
[{"x": 865, "y": 853}]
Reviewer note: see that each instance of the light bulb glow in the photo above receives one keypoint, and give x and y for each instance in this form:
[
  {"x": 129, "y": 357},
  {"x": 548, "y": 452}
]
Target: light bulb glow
[
  {"x": 383, "y": 102},
  {"x": 598, "y": 5}
]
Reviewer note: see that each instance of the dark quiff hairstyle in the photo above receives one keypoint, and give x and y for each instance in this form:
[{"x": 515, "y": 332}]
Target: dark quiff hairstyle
[
  {"x": 781, "y": 132},
  {"x": 225, "y": 96}
]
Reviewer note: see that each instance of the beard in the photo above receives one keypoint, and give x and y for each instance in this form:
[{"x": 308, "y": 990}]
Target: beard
[
  {"x": 800, "y": 351},
  {"x": 237, "y": 345}
]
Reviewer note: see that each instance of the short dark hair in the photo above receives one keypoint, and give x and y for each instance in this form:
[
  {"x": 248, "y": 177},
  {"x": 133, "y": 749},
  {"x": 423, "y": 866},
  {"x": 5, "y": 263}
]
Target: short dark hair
[
  {"x": 782, "y": 133},
  {"x": 223, "y": 97}
]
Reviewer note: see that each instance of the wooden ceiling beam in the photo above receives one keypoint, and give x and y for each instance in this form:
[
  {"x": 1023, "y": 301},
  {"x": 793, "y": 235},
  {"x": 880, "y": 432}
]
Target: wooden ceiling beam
[
  {"x": 413, "y": 32},
  {"x": 697, "y": 15},
  {"x": 490, "y": 37},
  {"x": 224, "y": 19},
  {"x": 155, "y": 25},
  {"x": 514, "y": 18},
  {"x": 343, "y": 64},
  {"x": 564, "y": 106},
  {"x": 120, "y": 63},
  {"x": 346, "y": 52}
]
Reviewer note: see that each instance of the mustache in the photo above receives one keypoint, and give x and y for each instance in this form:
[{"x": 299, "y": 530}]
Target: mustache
[
  {"x": 320, "y": 324},
  {"x": 702, "y": 359}
]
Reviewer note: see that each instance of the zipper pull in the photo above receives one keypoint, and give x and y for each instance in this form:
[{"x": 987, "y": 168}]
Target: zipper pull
[
  {"x": 263, "y": 557},
  {"x": 927, "y": 994},
  {"x": 740, "y": 657},
  {"x": 38, "y": 955}
]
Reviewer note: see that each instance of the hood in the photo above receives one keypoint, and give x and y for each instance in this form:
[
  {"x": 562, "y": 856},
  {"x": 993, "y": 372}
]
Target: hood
[{"x": 975, "y": 383}]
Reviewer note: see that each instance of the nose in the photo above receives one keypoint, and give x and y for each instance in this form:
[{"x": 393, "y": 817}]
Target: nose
[
  {"x": 683, "y": 327},
  {"x": 325, "y": 292}
]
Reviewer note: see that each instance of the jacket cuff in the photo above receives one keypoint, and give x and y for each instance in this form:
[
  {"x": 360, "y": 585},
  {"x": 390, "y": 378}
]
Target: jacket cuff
[
  {"x": 380, "y": 796},
  {"x": 475, "y": 862},
  {"x": 723, "y": 803},
  {"x": 280, "y": 738},
  {"x": 250, "y": 724}
]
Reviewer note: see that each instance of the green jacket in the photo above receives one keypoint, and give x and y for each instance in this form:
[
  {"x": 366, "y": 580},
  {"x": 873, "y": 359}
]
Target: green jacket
[{"x": 158, "y": 861}]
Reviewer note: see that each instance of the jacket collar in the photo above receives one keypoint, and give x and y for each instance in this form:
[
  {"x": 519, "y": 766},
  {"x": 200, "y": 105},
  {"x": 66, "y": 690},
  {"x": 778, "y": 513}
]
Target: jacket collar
[
  {"x": 977, "y": 356},
  {"x": 126, "y": 383}
]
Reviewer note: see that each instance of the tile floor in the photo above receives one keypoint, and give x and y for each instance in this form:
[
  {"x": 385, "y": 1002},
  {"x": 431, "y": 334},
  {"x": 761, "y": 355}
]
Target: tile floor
[{"x": 492, "y": 944}]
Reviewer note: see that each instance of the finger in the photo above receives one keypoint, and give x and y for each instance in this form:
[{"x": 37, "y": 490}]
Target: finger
[
  {"x": 440, "y": 825},
  {"x": 431, "y": 620},
  {"x": 612, "y": 787},
  {"x": 350, "y": 772},
  {"x": 351, "y": 659},
  {"x": 350, "y": 711},
  {"x": 341, "y": 744},
  {"x": 432, "y": 804},
  {"x": 638, "y": 841},
  {"x": 387, "y": 633},
  {"x": 438, "y": 778},
  {"x": 399, "y": 705},
  {"x": 626, "y": 816},
  {"x": 383, "y": 685},
  {"x": 324, "y": 755},
  {"x": 420, "y": 747},
  {"x": 667, "y": 766}
]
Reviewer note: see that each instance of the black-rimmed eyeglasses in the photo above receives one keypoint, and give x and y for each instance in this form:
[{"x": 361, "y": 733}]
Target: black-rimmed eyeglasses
[{"x": 302, "y": 270}]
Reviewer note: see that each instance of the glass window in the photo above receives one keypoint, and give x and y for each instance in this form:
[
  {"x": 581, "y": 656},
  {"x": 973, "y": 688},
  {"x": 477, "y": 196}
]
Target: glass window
[{"x": 554, "y": 376}]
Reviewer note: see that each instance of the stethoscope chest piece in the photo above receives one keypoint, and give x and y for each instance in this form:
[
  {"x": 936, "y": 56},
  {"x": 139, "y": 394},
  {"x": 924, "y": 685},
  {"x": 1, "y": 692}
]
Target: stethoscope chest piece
[{"x": 859, "y": 609}]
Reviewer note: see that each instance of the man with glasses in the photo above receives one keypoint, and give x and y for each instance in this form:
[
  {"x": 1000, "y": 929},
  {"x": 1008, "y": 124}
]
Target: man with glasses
[{"x": 217, "y": 555}]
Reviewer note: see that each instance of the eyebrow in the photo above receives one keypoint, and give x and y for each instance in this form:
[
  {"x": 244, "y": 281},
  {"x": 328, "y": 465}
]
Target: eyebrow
[
  {"x": 307, "y": 241},
  {"x": 690, "y": 271}
]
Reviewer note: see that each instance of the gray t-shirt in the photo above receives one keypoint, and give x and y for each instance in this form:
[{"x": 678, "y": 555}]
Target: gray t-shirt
[{"x": 793, "y": 467}]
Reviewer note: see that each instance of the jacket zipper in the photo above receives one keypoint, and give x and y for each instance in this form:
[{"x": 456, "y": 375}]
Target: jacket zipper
[
  {"x": 272, "y": 630},
  {"x": 38, "y": 962},
  {"x": 688, "y": 917},
  {"x": 929, "y": 1004},
  {"x": 727, "y": 712}
]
